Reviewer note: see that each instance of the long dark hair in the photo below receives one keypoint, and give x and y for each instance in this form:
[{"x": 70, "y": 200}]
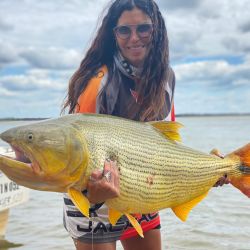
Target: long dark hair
[{"x": 101, "y": 52}]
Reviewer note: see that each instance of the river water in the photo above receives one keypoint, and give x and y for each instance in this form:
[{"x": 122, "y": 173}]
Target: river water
[{"x": 220, "y": 222}]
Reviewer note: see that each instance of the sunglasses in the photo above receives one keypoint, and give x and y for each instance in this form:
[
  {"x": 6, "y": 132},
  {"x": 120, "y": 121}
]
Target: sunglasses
[{"x": 143, "y": 30}]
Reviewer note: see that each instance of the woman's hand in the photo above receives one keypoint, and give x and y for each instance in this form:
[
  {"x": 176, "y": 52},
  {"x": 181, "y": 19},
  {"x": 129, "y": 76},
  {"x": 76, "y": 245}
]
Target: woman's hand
[
  {"x": 224, "y": 179},
  {"x": 104, "y": 184}
]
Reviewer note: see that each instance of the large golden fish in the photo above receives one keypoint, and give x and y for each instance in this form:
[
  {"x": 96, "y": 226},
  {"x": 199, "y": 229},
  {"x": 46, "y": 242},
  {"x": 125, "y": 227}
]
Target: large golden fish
[{"x": 156, "y": 172}]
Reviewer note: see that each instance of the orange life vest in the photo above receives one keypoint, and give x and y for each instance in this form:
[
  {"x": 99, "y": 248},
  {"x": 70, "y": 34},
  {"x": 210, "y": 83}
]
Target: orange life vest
[{"x": 88, "y": 99}]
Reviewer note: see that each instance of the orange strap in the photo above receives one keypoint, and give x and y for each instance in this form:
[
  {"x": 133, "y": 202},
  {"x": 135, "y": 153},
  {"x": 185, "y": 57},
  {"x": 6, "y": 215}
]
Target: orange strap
[
  {"x": 87, "y": 99},
  {"x": 146, "y": 226},
  {"x": 173, "y": 114}
]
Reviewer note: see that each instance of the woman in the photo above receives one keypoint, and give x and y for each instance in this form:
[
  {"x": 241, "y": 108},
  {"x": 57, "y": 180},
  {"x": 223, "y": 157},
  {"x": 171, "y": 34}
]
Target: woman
[{"x": 125, "y": 73}]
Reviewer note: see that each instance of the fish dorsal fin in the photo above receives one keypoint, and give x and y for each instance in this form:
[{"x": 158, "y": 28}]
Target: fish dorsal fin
[
  {"x": 135, "y": 224},
  {"x": 183, "y": 210},
  {"x": 168, "y": 129},
  {"x": 80, "y": 201},
  {"x": 114, "y": 216}
]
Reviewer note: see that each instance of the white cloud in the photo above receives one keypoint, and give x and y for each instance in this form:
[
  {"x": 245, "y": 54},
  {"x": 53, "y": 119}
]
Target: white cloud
[
  {"x": 38, "y": 93},
  {"x": 8, "y": 53},
  {"x": 4, "y": 25},
  {"x": 52, "y": 58},
  {"x": 198, "y": 70},
  {"x": 245, "y": 26},
  {"x": 242, "y": 82},
  {"x": 210, "y": 28},
  {"x": 34, "y": 80},
  {"x": 212, "y": 87},
  {"x": 178, "y": 4},
  {"x": 6, "y": 93},
  {"x": 212, "y": 72}
]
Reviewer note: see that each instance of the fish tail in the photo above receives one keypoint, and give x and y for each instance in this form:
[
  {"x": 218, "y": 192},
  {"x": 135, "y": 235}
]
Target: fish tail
[{"x": 242, "y": 182}]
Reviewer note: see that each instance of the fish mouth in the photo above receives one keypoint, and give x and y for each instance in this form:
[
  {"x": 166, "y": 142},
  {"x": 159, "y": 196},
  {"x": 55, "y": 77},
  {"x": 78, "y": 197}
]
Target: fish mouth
[{"x": 20, "y": 156}]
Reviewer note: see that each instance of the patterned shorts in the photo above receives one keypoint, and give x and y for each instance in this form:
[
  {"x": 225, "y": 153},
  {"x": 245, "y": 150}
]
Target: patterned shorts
[{"x": 98, "y": 229}]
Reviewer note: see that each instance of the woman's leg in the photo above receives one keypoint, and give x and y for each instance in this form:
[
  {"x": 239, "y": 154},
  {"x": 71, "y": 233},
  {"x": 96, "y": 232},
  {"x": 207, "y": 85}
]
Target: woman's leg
[
  {"x": 88, "y": 246},
  {"x": 151, "y": 241}
]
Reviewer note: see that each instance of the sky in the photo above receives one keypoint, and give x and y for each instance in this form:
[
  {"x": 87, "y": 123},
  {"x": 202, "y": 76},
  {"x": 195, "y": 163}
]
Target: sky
[{"x": 43, "y": 42}]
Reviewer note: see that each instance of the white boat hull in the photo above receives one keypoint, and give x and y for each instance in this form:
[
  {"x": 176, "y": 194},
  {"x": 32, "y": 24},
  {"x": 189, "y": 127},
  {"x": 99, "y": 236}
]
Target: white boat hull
[{"x": 11, "y": 195}]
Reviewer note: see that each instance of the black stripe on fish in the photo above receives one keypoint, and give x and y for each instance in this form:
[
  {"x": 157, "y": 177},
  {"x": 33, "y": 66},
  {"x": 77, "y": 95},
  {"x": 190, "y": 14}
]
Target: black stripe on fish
[{"x": 245, "y": 170}]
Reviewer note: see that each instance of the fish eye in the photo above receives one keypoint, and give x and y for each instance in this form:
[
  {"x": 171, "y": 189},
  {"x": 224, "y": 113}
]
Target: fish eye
[{"x": 30, "y": 137}]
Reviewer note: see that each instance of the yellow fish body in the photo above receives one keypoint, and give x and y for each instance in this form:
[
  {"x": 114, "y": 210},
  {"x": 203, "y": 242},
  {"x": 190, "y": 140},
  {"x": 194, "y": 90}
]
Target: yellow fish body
[{"x": 155, "y": 171}]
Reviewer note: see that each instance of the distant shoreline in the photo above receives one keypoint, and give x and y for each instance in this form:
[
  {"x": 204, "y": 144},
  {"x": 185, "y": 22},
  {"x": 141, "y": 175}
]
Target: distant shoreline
[
  {"x": 21, "y": 119},
  {"x": 177, "y": 115},
  {"x": 206, "y": 115}
]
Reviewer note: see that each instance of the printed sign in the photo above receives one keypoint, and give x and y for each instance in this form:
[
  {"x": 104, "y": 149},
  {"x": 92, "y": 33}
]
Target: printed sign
[{"x": 11, "y": 194}]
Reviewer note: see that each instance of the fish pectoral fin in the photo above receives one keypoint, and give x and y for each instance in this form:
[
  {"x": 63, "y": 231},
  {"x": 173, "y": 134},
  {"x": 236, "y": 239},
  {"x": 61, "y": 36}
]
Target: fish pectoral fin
[
  {"x": 135, "y": 224},
  {"x": 114, "y": 216},
  {"x": 80, "y": 201},
  {"x": 183, "y": 210},
  {"x": 169, "y": 129}
]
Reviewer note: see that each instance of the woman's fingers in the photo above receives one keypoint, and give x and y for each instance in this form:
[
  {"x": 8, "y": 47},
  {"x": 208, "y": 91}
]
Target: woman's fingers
[
  {"x": 116, "y": 174},
  {"x": 95, "y": 175},
  {"x": 223, "y": 180},
  {"x": 104, "y": 184},
  {"x": 108, "y": 171}
]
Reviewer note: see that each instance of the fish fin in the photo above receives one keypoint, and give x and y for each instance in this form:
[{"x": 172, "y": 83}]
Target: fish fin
[
  {"x": 135, "y": 224},
  {"x": 183, "y": 210},
  {"x": 242, "y": 182},
  {"x": 114, "y": 216},
  {"x": 80, "y": 201},
  {"x": 168, "y": 129}
]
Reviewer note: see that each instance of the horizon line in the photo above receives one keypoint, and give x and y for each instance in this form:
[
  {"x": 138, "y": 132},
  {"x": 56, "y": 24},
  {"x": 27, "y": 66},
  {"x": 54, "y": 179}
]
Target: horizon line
[{"x": 177, "y": 115}]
